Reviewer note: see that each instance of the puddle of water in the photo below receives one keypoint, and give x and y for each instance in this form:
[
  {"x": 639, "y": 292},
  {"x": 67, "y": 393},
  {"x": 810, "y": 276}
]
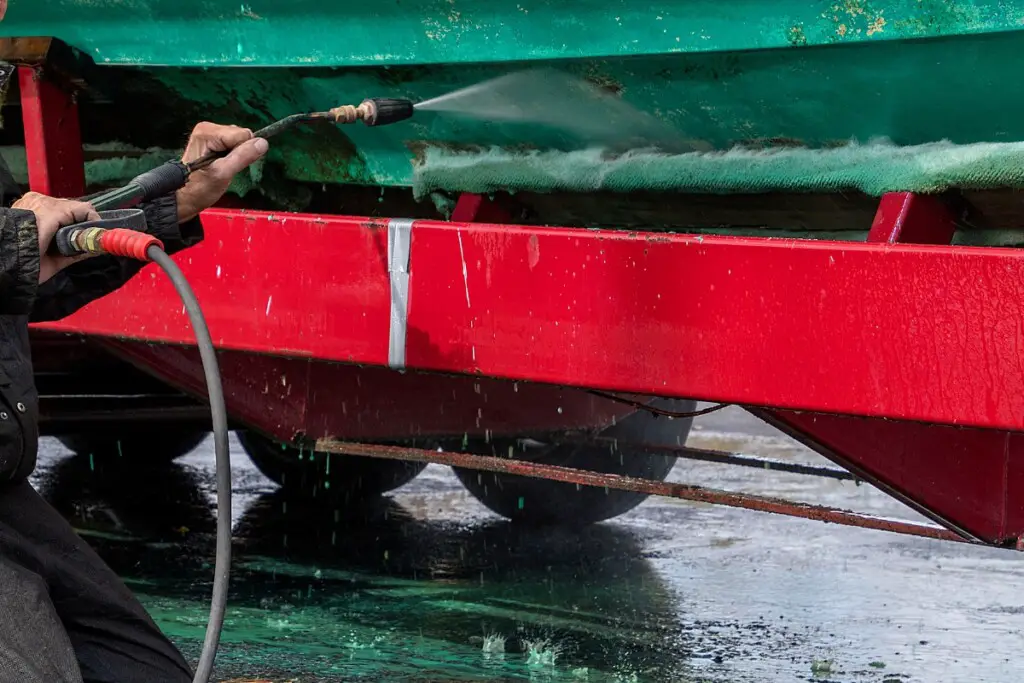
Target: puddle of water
[{"x": 428, "y": 586}]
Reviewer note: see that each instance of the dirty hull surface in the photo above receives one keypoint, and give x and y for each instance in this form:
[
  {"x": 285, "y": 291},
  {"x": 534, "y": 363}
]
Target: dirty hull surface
[
  {"x": 669, "y": 592},
  {"x": 712, "y": 93}
]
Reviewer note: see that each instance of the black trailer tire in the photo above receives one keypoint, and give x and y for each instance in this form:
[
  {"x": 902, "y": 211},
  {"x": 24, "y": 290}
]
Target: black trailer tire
[
  {"x": 345, "y": 479},
  {"x": 534, "y": 501},
  {"x": 135, "y": 446}
]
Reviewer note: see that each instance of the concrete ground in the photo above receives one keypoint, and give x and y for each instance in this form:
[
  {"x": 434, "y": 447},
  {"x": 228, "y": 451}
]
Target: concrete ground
[{"x": 429, "y": 586}]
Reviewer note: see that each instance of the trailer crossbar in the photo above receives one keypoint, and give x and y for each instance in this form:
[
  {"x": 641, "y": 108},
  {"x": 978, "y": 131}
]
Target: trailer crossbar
[
  {"x": 698, "y": 494},
  {"x": 715, "y": 456}
]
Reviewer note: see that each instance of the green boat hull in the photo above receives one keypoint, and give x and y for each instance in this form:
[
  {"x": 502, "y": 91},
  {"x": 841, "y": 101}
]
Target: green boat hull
[{"x": 759, "y": 73}]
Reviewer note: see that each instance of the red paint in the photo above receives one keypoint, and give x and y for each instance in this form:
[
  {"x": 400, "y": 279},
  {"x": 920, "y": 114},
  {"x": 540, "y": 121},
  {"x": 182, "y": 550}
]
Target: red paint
[
  {"x": 53, "y": 141},
  {"x": 966, "y": 478},
  {"x": 799, "y": 324},
  {"x": 478, "y": 208},
  {"x": 286, "y": 396},
  {"x": 913, "y": 219},
  {"x": 972, "y": 479}
]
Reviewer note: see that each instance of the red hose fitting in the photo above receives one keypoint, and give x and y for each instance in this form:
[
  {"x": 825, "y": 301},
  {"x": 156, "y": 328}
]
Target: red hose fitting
[{"x": 128, "y": 243}]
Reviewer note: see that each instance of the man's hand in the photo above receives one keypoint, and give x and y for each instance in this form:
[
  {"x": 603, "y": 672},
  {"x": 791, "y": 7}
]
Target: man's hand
[
  {"x": 52, "y": 214},
  {"x": 206, "y": 186}
]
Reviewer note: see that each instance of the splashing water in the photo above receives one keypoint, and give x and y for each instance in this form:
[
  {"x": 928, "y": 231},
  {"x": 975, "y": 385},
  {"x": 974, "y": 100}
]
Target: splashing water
[
  {"x": 541, "y": 653},
  {"x": 555, "y": 100}
]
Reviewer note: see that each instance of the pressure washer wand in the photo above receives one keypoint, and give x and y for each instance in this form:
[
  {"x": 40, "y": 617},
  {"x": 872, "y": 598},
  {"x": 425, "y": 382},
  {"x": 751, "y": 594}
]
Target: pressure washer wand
[
  {"x": 73, "y": 240},
  {"x": 377, "y": 111}
]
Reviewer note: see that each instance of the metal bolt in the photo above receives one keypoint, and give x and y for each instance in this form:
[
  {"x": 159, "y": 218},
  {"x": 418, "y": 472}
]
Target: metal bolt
[{"x": 20, "y": 407}]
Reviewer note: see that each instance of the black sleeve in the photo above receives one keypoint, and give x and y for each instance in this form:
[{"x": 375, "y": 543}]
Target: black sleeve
[
  {"x": 19, "y": 261},
  {"x": 83, "y": 283}
]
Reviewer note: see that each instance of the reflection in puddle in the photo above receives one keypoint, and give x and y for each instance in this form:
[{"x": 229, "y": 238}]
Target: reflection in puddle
[
  {"x": 430, "y": 587},
  {"x": 375, "y": 593}
]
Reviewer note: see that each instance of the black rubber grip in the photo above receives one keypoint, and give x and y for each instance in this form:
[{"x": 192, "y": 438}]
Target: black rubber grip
[
  {"x": 162, "y": 180},
  {"x": 388, "y": 110},
  {"x": 132, "y": 219}
]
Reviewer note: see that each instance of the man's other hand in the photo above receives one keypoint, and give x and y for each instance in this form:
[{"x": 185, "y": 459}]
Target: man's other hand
[
  {"x": 206, "y": 186},
  {"x": 52, "y": 214}
]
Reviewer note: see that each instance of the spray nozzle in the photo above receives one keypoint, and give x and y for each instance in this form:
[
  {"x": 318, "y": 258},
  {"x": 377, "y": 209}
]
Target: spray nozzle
[{"x": 377, "y": 111}]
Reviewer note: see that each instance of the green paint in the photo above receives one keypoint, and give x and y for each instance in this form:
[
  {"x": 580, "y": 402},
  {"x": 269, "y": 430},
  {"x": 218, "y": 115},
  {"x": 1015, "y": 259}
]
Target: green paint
[
  {"x": 817, "y": 96},
  {"x": 816, "y": 74},
  {"x": 92, "y": 463},
  {"x": 522, "y": 502},
  {"x": 310, "y": 32}
]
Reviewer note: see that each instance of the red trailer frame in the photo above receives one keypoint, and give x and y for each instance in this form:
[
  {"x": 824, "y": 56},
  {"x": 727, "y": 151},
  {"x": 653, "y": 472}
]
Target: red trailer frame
[{"x": 899, "y": 358}]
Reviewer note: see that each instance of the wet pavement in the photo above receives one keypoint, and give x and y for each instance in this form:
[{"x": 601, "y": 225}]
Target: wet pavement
[{"x": 430, "y": 586}]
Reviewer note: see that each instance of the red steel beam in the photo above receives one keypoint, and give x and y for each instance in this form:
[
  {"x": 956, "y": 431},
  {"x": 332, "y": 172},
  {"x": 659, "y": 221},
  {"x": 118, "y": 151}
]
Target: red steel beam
[
  {"x": 913, "y": 219},
  {"x": 968, "y": 479},
  {"x": 53, "y": 141},
  {"x": 927, "y": 333}
]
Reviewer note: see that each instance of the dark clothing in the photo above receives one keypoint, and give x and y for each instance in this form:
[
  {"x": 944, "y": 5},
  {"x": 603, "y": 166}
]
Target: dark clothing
[
  {"x": 64, "y": 615},
  {"x": 23, "y": 300}
]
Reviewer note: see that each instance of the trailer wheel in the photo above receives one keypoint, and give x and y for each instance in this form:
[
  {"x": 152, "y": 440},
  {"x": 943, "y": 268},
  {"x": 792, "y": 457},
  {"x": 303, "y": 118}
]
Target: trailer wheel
[
  {"x": 306, "y": 473},
  {"x": 544, "y": 502},
  {"x": 135, "y": 445}
]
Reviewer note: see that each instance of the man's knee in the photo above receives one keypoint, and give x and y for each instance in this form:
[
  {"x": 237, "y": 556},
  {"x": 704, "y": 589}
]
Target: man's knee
[{"x": 34, "y": 647}]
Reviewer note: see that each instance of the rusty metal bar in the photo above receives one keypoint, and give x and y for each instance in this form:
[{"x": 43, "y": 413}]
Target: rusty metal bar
[
  {"x": 658, "y": 488},
  {"x": 709, "y": 455}
]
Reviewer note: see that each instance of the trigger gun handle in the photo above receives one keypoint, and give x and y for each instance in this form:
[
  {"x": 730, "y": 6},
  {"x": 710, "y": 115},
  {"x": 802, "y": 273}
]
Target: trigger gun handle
[{"x": 118, "y": 232}]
